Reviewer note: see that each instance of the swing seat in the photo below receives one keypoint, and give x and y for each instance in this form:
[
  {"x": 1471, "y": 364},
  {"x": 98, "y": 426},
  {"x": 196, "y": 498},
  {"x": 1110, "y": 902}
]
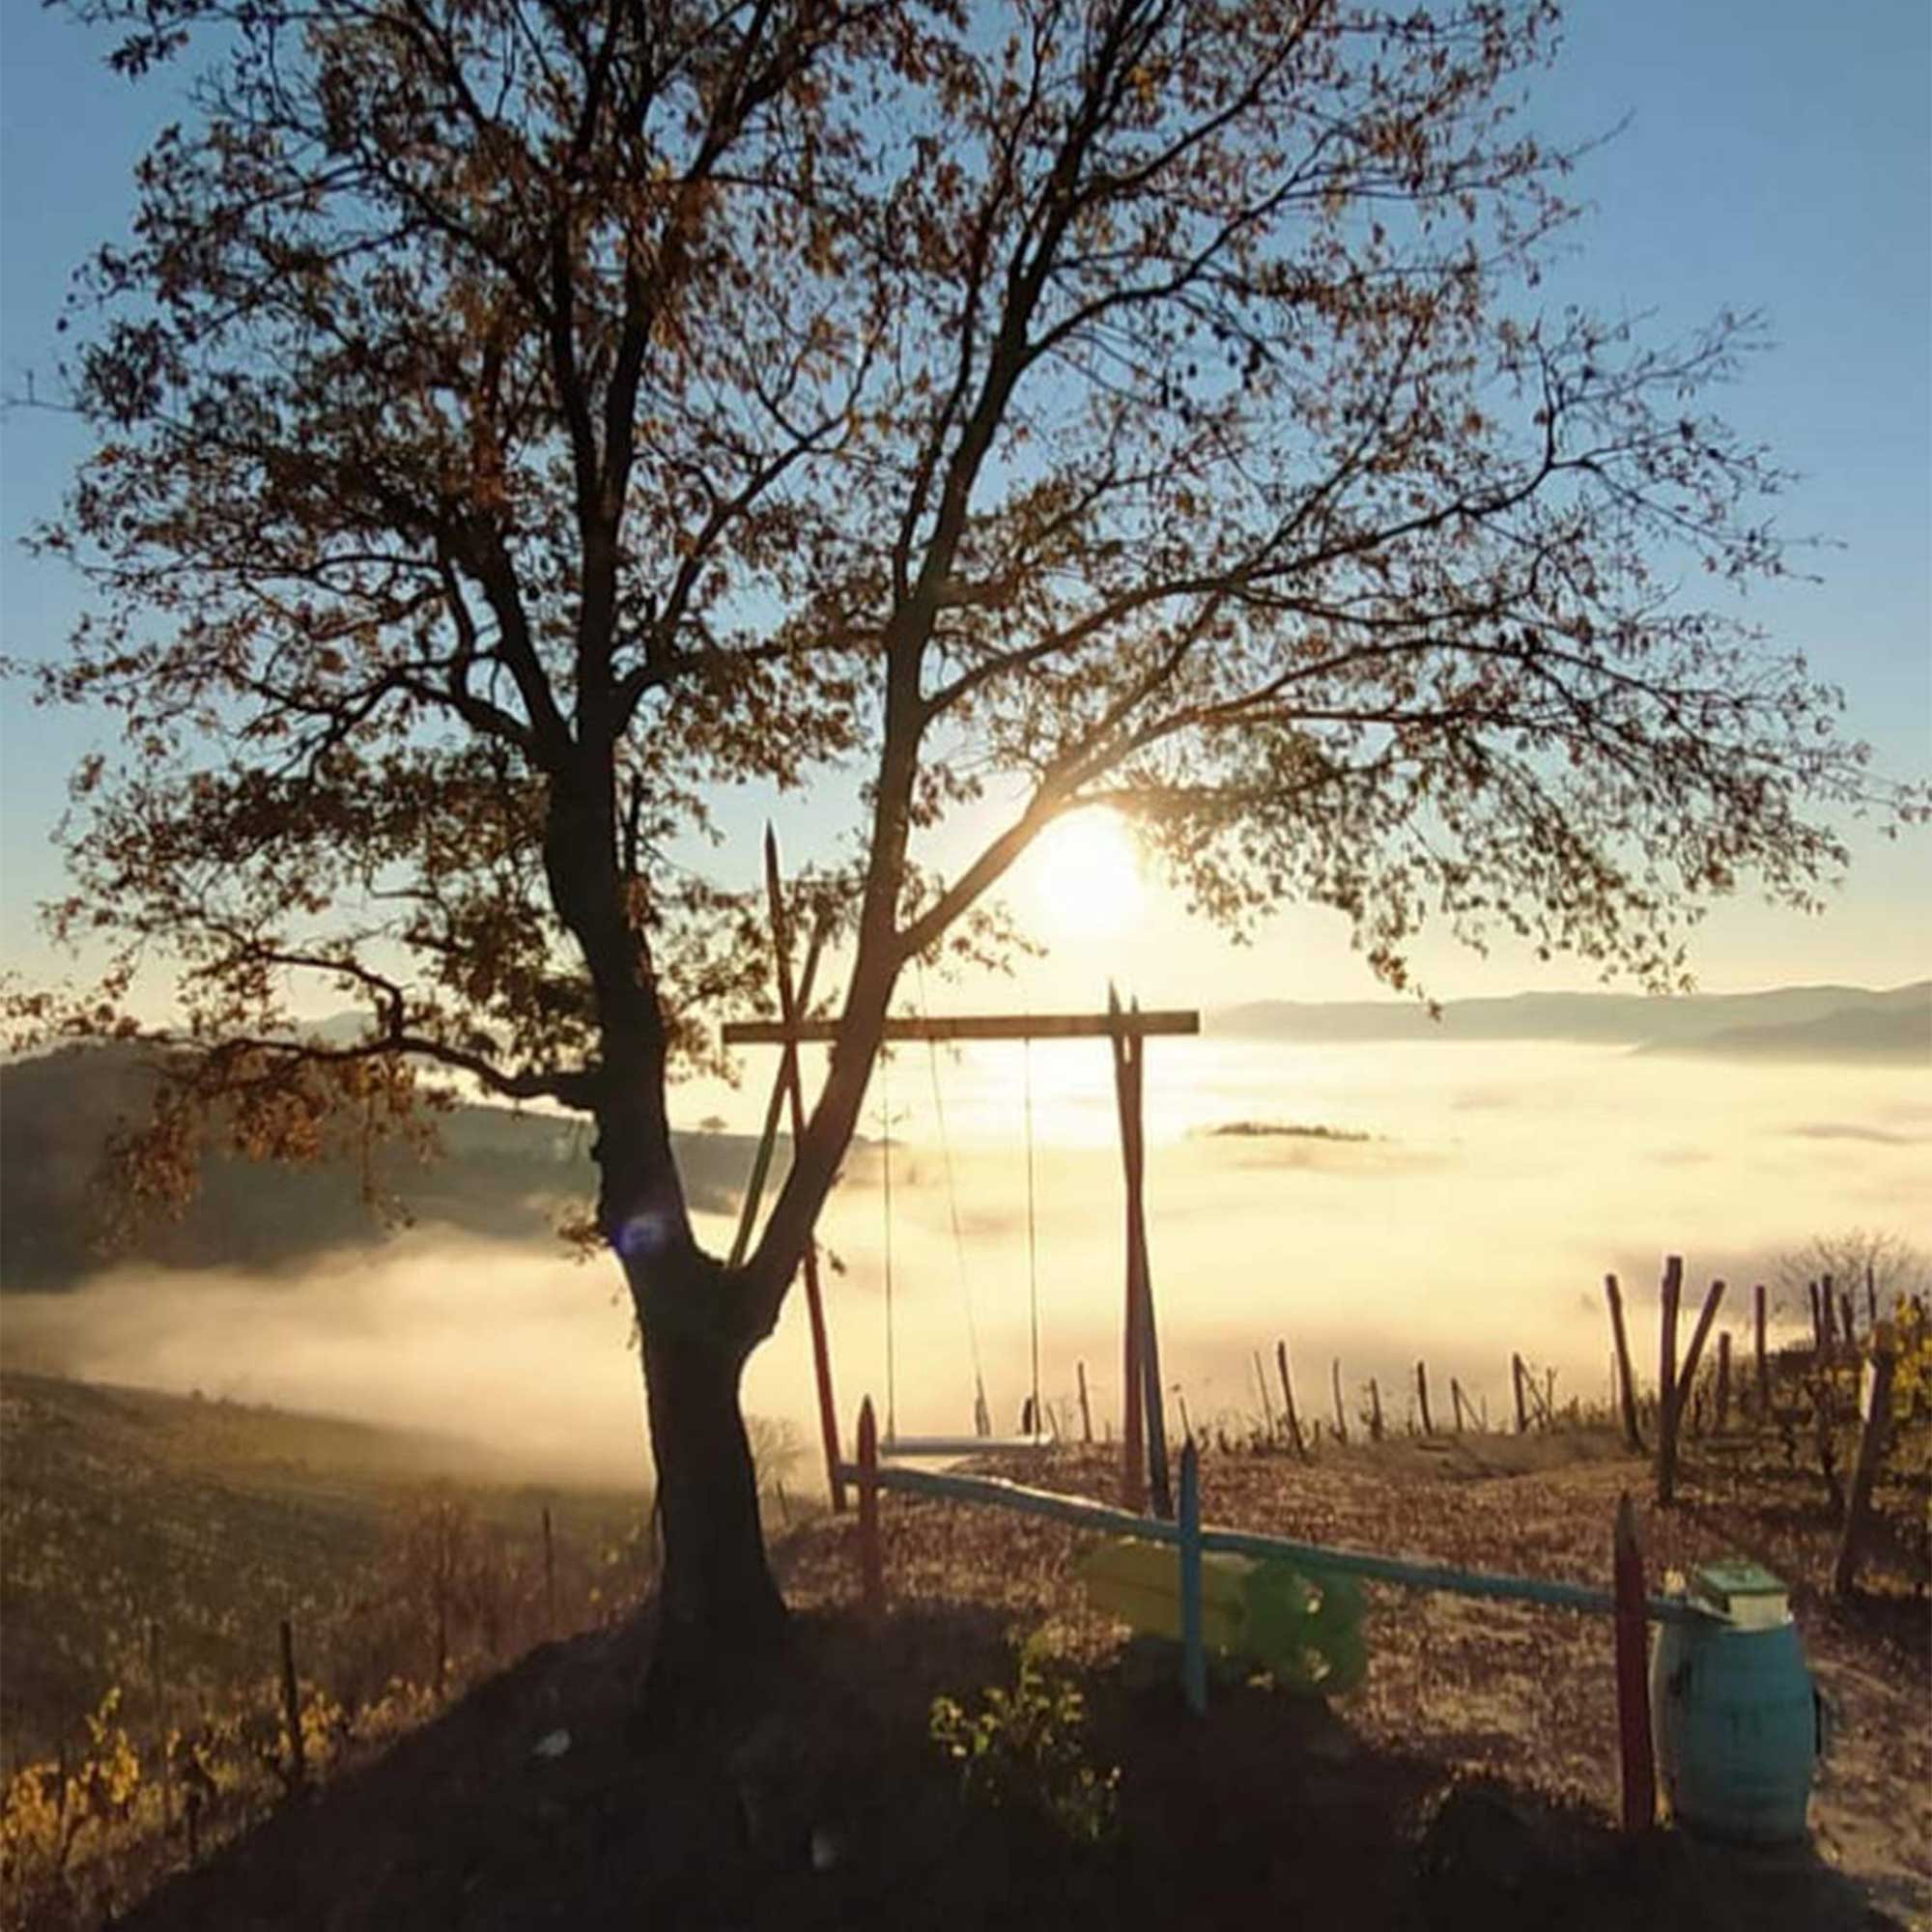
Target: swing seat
[{"x": 962, "y": 1445}]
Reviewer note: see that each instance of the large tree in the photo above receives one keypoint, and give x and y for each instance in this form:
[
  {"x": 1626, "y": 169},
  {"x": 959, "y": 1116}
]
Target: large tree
[{"x": 522, "y": 421}]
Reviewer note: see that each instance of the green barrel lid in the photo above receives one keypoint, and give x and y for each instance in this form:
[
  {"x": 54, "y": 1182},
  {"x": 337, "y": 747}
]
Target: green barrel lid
[{"x": 1743, "y": 1590}]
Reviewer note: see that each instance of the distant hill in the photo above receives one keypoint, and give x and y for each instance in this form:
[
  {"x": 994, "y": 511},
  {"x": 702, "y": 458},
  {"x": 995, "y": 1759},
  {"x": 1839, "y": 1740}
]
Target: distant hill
[
  {"x": 1787, "y": 1022},
  {"x": 1898, "y": 1030},
  {"x": 504, "y": 1175}
]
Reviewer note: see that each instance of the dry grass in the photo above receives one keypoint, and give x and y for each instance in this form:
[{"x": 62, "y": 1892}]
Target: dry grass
[{"x": 1519, "y": 1693}]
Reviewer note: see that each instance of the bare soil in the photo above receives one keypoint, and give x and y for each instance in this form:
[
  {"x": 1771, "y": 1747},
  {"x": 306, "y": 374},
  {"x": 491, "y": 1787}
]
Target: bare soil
[{"x": 1471, "y": 1781}]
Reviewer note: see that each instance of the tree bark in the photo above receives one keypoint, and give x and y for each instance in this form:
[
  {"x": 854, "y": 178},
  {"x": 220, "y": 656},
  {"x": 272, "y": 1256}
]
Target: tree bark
[{"x": 719, "y": 1608}]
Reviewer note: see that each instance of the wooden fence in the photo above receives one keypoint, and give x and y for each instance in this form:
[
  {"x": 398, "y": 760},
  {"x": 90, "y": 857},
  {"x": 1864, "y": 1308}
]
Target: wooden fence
[{"x": 1626, "y": 1602}]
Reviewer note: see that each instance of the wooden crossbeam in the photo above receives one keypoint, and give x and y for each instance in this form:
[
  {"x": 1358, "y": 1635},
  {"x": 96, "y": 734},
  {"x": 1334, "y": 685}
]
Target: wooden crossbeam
[{"x": 972, "y": 1026}]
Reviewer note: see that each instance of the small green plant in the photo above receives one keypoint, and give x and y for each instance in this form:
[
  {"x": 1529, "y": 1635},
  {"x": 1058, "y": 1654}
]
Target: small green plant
[{"x": 1023, "y": 1750}]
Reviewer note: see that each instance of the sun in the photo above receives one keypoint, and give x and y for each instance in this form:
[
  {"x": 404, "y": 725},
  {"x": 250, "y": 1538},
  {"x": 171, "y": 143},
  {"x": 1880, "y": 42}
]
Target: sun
[{"x": 1085, "y": 879}]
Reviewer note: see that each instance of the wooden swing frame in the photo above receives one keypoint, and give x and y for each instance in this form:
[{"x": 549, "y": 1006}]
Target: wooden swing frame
[{"x": 1143, "y": 1459}]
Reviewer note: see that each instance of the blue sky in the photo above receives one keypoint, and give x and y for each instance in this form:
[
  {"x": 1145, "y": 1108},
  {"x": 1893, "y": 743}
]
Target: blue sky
[{"x": 1778, "y": 157}]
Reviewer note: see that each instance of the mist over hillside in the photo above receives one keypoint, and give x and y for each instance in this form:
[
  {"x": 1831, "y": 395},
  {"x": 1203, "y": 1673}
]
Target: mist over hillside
[
  {"x": 1784, "y": 1023},
  {"x": 504, "y": 1176},
  {"x": 512, "y": 1177}
]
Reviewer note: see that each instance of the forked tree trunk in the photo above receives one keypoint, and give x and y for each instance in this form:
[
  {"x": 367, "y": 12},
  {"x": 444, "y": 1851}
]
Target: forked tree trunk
[{"x": 719, "y": 1608}]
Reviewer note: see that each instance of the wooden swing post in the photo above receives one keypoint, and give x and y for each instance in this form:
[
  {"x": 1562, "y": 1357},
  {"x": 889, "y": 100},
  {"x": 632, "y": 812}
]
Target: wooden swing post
[
  {"x": 1142, "y": 1435},
  {"x": 814, "y": 1300}
]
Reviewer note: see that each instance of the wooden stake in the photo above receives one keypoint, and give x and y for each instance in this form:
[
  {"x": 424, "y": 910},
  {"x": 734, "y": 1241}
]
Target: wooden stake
[
  {"x": 821, "y": 1354},
  {"x": 1133, "y": 1447},
  {"x": 768, "y": 1134},
  {"x": 1422, "y": 1397},
  {"x": 871, "y": 1560},
  {"x": 1193, "y": 1650},
  {"x": 1817, "y": 1319},
  {"x": 1871, "y": 1295},
  {"x": 1086, "y": 1411},
  {"x": 1763, "y": 1361},
  {"x": 1374, "y": 1410},
  {"x": 1134, "y": 1450},
  {"x": 1634, "y": 1739},
  {"x": 1457, "y": 1403},
  {"x": 1159, "y": 1489},
  {"x": 1694, "y": 1354},
  {"x": 1724, "y": 1381},
  {"x": 1666, "y": 1376},
  {"x": 1670, "y": 1428},
  {"x": 297, "y": 1773},
  {"x": 1288, "y": 1401},
  {"x": 1518, "y": 1378},
  {"x": 1845, "y": 1308},
  {"x": 1828, "y": 1301},
  {"x": 1626, "y": 1381},
  {"x": 1127, "y": 1094},
  {"x": 1871, "y": 1452},
  {"x": 1341, "y": 1414}
]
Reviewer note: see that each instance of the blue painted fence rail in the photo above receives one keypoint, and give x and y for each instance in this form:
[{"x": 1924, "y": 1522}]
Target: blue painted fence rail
[{"x": 1103, "y": 1519}]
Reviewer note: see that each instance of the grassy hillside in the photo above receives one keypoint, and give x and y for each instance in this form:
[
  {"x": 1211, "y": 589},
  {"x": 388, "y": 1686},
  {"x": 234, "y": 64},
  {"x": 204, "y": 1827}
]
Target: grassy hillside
[
  {"x": 140, "y": 1530},
  {"x": 503, "y": 1174}
]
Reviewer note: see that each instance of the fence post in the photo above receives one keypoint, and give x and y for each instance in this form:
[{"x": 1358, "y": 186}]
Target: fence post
[
  {"x": 1634, "y": 1739},
  {"x": 1422, "y": 1397},
  {"x": 1626, "y": 1381},
  {"x": 1763, "y": 1363},
  {"x": 1667, "y": 1375},
  {"x": 1871, "y": 1295},
  {"x": 1517, "y": 1378},
  {"x": 1828, "y": 1304},
  {"x": 1288, "y": 1401},
  {"x": 292, "y": 1713},
  {"x": 871, "y": 1564},
  {"x": 1193, "y": 1651},
  {"x": 1086, "y": 1414},
  {"x": 1341, "y": 1414},
  {"x": 1374, "y": 1410},
  {"x": 1871, "y": 1448},
  {"x": 1724, "y": 1381}
]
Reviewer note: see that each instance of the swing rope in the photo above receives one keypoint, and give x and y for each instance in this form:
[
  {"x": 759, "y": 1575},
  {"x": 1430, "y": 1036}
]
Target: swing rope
[
  {"x": 983, "y": 1417},
  {"x": 1033, "y": 1245},
  {"x": 886, "y": 1147}
]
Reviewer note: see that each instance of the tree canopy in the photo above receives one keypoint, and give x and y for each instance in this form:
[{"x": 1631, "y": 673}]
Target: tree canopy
[{"x": 522, "y": 421}]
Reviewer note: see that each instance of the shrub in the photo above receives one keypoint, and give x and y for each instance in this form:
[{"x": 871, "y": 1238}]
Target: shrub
[{"x": 1023, "y": 1750}]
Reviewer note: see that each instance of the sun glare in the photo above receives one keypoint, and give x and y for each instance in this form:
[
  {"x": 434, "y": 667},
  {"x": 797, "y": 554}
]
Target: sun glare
[{"x": 1086, "y": 878}]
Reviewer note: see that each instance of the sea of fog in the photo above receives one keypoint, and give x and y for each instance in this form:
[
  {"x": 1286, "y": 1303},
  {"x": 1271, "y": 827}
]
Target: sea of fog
[{"x": 1498, "y": 1185}]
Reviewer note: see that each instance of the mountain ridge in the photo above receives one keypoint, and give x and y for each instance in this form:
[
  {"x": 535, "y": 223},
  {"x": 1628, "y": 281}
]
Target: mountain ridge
[{"x": 1776, "y": 1022}]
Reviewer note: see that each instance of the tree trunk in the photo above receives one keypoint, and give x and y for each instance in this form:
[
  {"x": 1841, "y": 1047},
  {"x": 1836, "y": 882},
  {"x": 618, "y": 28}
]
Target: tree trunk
[{"x": 719, "y": 1610}]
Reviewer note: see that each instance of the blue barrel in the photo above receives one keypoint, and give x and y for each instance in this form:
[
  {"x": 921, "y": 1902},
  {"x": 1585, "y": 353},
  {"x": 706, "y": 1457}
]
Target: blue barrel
[{"x": 1737, "y": 1728}]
